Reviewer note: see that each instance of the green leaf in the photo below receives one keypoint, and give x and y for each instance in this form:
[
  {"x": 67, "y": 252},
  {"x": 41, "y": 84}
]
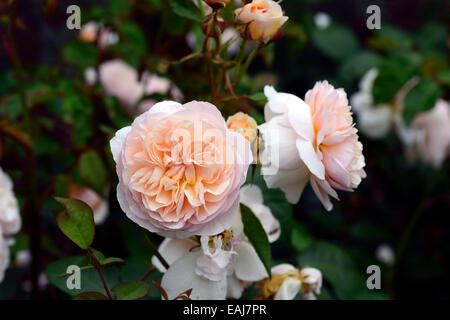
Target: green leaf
[
  {"x": 92, "y": 171},
  {"x": 394, "y": 72},
  {"x": 257, "y": 237},
  {"x": 106, "y": 262},
  {"x": 444, "y": 77},
  {"x": 133, "y": 43},
  {"x": 186, "y": 9},
  {"x": 76, "y": 222},
  {"x": 90, "y": 280},
  {"x": 300, "y": 237},
  {"x": 390, "y": 37},
  {"x": 79, "y": 54},
  {"x": 421, "y": 98},
  {"x": 337, "y": 267},
  {"x": 355, "y": 66},
  {"x": 90, "y": 295},
  {"x": 259, "y": 96},
  {"x": 336, "y": 41},
  {"x": 131, "y": 290}
]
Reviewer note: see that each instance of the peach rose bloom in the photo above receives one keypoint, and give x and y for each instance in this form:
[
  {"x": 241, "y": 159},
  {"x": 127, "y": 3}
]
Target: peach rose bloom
[
  {"x": 180, "y": 169},
  {"x": 264, "y": 18},
  {"x": 313, "y": 140}
]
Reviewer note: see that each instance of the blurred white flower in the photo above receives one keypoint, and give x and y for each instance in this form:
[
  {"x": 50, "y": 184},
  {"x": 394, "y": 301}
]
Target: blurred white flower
[
  {"x": 10, "y": 220},
  {"x": 22, "y": 258},
  {"x": 385, "y": 254},
  {"x": 322, "y": 20},
  {"x": 429, "y": 134},
  {"x": 90, "y": 76},
  {"x": 107, "y": 37},
  {"x": 4, "y": 256},
  {"x": 373, "y": 120},
  {"x": 122, "y": 81}
]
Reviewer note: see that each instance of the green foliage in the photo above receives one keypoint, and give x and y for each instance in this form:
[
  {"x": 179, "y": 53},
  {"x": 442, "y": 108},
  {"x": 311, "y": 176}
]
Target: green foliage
[
  {"x": 421, "y": 98},
  {"x": 186, "y": 9},
  {"x": 336, "y": 41},
  {"x": 300, "y": 237},
  {"x": 337, "y": 267},
  {"x": 133, "y": 43},
  {"x": 257, "y": 237},
  {"x": 92, "y": 170},
  {"x": 394, "y": 72},
  {"x": 79, "y": 54},
  {"x": 76, "y": 221},
  {"x": 131, "y": 290}
]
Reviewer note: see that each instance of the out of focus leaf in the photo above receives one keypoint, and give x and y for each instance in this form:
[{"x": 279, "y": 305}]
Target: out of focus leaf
[
  {"x": 336, "y": 265},
  {"x": 432, "y": 37},
  {"x": 390, "y": 37},
  {"x": 444, "y": 77},
  {"x": 92, "y": 170},
  {"x": 336, "y": 41},
  {"x": 257, "y": 237},
  {"x": 131, "y": 290},
  {"x": 90, "y": 295},
  {"x": 420, "y": 98},
  {"x": 21, "y": 242},
  {"x": 133, "y": 43},
  {"x": 300, "y": 237},
  {"x": 81, "y": 55},
  {"x": 76, "y": 222},
  {"x": 186, "y": 9},
  {"x": 355, "y": 66},
  {"x": 394, "y": 72}
]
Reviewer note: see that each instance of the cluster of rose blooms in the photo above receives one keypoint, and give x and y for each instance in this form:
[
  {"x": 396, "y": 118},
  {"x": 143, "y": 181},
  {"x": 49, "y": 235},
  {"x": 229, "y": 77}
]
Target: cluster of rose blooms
[{"x": 182, "y": 171}]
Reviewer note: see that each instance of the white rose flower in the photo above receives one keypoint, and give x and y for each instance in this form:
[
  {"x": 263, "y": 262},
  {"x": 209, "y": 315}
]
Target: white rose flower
[{"x": 374, "y": 121}]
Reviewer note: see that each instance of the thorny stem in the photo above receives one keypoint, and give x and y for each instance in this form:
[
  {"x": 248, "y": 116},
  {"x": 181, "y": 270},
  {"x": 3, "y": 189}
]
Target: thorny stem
[
  {"x": 97, "y": 267},
  {"x": 240, "y": 57}
]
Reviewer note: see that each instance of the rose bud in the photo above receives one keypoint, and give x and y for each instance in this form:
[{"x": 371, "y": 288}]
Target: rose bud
[{"x": 262, "y": 19}]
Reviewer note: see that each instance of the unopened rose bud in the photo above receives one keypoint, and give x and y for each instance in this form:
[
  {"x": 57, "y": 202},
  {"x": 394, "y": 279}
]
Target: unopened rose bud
[
  {"x": 217, "y": 4},
  {"x": 261, "y": 19},
  {"x": 245, "y": 125}
]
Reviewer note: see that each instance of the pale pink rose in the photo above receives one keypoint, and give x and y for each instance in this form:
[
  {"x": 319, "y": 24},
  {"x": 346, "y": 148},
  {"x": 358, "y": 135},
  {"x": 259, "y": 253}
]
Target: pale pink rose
[
  {"x": 10, "y": 220},
  {"x": 434, "y": 124},
  {"x": 121, "y": 81},
  {"x": 313, "y": 140},
  {"x": 263, "y": 17},
  {"x": 180, "y": 169}
]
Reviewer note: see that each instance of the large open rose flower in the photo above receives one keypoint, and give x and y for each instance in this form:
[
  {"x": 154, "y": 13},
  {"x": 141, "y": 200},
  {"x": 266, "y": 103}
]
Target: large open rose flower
[
  {"x": 312, "y": 140},
  {"x": 263, "y": 18},
  {"x": 180, "y": 169}
]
